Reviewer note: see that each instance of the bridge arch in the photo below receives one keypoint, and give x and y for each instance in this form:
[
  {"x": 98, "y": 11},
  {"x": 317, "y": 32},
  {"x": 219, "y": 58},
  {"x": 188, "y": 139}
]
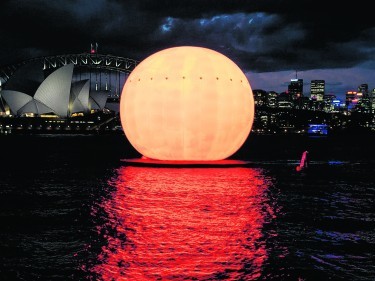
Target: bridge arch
[{"x": 105, "y": 72}]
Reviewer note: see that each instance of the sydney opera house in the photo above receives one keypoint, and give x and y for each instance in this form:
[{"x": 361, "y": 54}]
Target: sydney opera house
[{"x": 31, "y": 101}]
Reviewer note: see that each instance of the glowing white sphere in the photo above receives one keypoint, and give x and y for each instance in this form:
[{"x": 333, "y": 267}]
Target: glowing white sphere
[{"x": 187, "y": 103}]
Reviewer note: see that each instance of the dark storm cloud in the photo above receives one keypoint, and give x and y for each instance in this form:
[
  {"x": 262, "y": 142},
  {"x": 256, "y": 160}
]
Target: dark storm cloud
[{"x": 262, "y": 35}]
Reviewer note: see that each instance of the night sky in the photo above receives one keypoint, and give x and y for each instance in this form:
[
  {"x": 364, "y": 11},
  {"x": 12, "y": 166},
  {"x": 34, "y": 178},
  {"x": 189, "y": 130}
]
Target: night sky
[{"x": 268, "y": 39}]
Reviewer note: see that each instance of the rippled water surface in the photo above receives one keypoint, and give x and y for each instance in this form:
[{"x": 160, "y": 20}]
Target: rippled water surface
[{"x": 71, "y": 210}]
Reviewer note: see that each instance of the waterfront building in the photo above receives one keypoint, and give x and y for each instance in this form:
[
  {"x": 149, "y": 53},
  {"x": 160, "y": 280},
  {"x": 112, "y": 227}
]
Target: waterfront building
[
  {"x": 305, "y": 103},
  {"x": 363, "y": 88},
  {"x": 329, "y": 104},
  {"x": 30, "y": 102},
  {"x": 268, "y": 99},
  {"x": 364, "y": 100},
  {"x": 272, "y": 99},
  {"x": 260, "y": 97},
  {"x": 284, "y": 100},
  {"x": 29, "y": 94},
  {"x": 351, "y": 99},
  {"x": 372, "y": 100}
]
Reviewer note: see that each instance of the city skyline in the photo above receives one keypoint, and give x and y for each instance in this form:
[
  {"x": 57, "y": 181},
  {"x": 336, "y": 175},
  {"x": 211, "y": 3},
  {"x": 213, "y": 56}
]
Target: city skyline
[
  {"x": 269, "y": 41},
  {"x": 278, "y": 83}
]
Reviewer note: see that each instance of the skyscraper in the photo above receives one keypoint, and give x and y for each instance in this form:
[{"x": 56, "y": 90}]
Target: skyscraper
[
  {"x": 317, "y": 90},
  {"x": 372, "y": 100},
  {"x": 363, "y": 88},
  {"x": 295, "y": 88},
  {"x": 364, "y": 98}
]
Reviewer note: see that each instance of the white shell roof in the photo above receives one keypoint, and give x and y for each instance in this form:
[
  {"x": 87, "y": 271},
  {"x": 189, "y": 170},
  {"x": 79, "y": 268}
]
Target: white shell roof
[
  {"x": 15, "y": 99},
  {"x": 54, "y": 92},
  {"x": 34, "y": 106},
  {"x": 79, "y": 100},
  {"x": 98, "y": 99}
]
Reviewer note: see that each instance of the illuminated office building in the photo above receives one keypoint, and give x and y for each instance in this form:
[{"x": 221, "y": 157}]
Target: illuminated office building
[
  {"x": 317, "y": 90},
  {"x": 364, "y": 98},
  {"x": 363, "y": 88},
  {"x": 351, "y": 99},
  {"x": 295, "y": 88}
]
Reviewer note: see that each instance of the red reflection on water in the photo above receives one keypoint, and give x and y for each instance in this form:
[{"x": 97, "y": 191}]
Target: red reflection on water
[{"x": 184, "y": 224}]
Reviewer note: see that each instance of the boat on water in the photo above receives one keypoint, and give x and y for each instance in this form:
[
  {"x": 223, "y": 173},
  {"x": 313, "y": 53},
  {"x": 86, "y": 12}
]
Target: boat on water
[
  {"x": 317, "y": 130},
  {"x": 304, "y": 163}
]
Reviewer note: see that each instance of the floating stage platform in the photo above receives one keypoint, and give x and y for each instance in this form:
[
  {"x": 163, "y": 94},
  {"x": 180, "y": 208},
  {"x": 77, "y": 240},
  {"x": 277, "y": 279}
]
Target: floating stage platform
[{"x": 146, "y": 162}]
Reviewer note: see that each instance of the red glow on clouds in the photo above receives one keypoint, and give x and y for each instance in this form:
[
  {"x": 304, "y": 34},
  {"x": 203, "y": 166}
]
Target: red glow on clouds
[{"x": 184, "y": 224}]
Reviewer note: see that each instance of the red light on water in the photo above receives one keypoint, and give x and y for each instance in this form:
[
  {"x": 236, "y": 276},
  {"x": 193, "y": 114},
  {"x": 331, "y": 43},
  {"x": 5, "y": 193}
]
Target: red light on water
[{"x": 184, "y": 224}]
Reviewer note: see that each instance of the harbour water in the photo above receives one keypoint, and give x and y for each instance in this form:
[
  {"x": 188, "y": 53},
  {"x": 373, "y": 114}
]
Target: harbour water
[{"x": 70, "y": 209}]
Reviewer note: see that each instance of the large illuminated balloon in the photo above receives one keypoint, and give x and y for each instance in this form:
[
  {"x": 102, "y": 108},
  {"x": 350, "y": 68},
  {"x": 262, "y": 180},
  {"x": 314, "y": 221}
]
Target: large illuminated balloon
[{"x": 187, "y": 103}]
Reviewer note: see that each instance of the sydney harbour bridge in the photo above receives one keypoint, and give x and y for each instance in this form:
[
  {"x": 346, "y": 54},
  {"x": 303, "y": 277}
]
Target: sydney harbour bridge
[{"x": 105, "y": 72}]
